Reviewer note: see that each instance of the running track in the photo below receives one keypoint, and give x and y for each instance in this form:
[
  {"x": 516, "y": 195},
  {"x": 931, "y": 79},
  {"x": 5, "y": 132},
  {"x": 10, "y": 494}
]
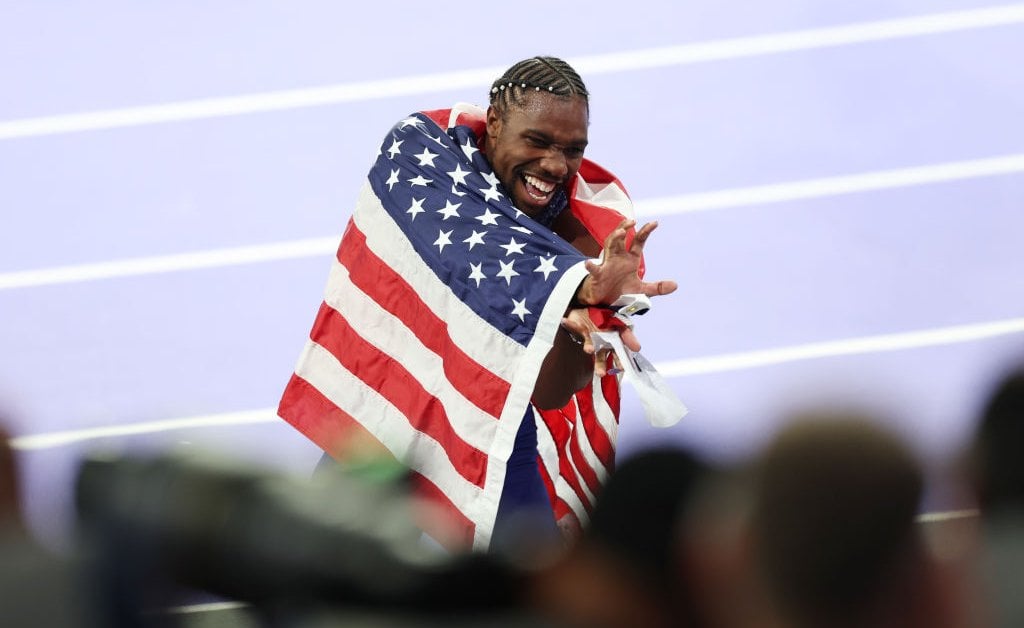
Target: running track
[{"x": 839, "y": 191}]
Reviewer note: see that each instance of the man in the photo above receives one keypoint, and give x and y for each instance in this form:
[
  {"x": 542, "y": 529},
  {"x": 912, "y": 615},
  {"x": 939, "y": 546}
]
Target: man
[{"x": 458, "y": 315}]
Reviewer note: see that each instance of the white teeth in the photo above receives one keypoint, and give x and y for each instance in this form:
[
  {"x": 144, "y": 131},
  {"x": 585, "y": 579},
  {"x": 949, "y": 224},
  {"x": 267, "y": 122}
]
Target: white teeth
[{"x": 543, "y": 186}]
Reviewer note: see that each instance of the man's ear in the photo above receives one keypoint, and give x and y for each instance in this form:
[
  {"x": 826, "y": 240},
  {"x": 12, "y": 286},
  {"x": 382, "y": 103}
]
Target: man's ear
[{"x": 493, "y": 121}]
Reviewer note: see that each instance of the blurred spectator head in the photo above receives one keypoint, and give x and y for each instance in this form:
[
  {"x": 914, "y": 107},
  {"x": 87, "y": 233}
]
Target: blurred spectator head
[
  {"x": 833, "y": 520},
  {"x": 625, "y": 569},
  {"x": 996, "y": 472},
  {"x": 996, "y": 462},
  {"x": 638, "y": 513}
]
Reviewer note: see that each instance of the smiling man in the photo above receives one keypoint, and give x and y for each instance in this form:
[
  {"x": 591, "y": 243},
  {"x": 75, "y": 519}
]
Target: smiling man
[
  {"x": 535, "y": 141},
  {"x": 455, "y": 333}
]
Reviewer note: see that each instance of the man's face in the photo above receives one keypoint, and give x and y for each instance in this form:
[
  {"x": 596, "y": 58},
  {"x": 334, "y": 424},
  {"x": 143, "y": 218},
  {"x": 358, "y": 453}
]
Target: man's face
[{"x": 537, "y": 147}]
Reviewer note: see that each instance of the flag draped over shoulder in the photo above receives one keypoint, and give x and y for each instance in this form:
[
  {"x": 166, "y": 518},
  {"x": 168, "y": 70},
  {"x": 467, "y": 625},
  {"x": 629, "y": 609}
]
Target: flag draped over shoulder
[{"x": 441, "y": 304}]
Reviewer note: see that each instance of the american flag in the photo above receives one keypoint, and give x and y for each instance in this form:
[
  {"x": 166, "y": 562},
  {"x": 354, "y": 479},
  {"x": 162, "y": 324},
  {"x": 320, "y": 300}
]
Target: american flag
[{"x": 441, "y": 304}]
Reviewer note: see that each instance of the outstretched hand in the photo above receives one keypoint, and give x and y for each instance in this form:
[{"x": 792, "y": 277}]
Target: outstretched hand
[
  {"x": 616, "y": 275},
  {"x": 618, "y": 272}
]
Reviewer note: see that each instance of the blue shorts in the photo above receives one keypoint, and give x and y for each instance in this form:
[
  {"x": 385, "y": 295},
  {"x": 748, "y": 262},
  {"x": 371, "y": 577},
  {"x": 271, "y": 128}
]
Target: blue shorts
[{"x": 524, "y": 511}]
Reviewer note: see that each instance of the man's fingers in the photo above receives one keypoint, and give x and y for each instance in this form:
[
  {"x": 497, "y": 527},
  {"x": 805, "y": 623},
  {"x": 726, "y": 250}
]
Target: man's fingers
[
  {"x": 588, "y": 343},
  {"x": 575, "y": 328},
  {"x": 581, "y": 331},
  {"x": 615, "y": 243},
  {"x": 601, "y": 362},
  {"x": 659, "y": 288},
  {"x": 643, "y": 233},
  {"x": 636, "y": 247},
  {"x": 630, "y": 340},
  {"x": 616, "y": 240}
]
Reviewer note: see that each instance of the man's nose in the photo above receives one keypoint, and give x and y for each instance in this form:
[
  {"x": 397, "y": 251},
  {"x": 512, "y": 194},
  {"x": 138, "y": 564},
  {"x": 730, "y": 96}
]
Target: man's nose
[{"x": 555, "y": 163}]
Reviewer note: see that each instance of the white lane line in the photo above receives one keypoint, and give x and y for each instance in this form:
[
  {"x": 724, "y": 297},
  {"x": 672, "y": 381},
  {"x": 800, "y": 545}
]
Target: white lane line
[
  {"x": 651, "y": 208},
  {"x": 627, "y": 61},
  {"x": 834, "y": 186},
  {"x": 195, "y": 260},
  {"x": 69, "y": 437},
  {"x": 949, "y": 515},
  {"x": 850, "y": 346},
  {"x": 207, "y": 607},
  {"x": 809, "y": 39},
  {"x": 677, "y": 368},
  {"x": 246, "y": 103}
]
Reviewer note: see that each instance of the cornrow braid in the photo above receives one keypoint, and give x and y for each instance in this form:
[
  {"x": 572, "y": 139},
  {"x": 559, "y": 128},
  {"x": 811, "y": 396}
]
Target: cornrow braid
[{"x": 537, "y": 74}]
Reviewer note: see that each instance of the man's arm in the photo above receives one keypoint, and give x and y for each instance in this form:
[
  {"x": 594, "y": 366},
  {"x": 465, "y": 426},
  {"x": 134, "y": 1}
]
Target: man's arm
[
  {"x": 572, "y": 361},
  {"x": 566, "y": 369}
]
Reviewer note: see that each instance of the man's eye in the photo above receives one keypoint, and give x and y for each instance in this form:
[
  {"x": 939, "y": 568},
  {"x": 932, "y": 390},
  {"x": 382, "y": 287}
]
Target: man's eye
[
  {"x": 539, "y": 143},
  {"x": 574, "y": 153}
]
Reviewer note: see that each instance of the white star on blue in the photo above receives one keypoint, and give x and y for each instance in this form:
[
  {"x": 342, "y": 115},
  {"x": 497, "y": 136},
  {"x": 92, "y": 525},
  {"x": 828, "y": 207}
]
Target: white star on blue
[{"x": 440, "y": 190}]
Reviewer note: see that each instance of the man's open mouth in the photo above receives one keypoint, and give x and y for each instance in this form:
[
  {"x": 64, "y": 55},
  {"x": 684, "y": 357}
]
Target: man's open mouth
[{"x": 538, "y": 189}]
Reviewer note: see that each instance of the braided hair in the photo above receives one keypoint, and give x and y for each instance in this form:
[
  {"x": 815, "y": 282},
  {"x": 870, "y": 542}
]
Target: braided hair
[{"x": 538, "y": 74}]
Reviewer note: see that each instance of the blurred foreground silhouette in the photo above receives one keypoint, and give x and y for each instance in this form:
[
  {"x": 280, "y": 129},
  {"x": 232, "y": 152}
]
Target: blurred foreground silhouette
[{"x": 822, "y": 527}]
